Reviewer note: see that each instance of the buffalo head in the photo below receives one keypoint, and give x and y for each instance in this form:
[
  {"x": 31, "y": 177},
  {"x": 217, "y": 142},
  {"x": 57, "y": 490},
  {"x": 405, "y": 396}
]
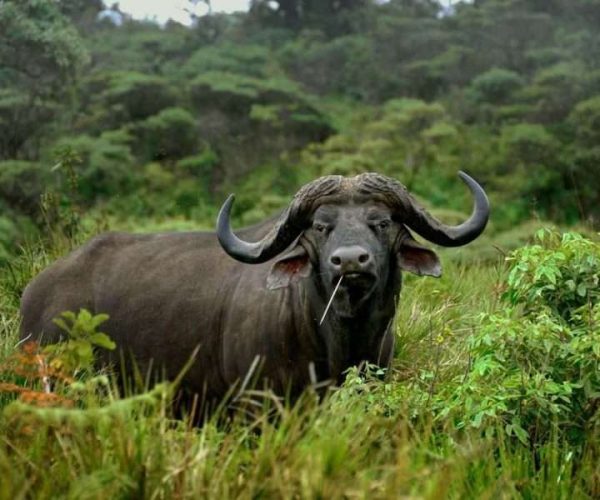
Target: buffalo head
[{"x": 356, "y": 229}]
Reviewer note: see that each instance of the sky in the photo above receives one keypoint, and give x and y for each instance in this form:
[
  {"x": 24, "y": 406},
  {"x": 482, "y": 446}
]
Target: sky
[
  {"x": 178, "y": 10},
  {"x": 162, "y": 10}
]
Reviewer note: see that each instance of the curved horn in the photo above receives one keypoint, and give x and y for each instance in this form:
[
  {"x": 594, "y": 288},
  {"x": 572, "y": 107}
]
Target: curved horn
[
  {"x": 417, "y": 218},
  {"x": 277, "y": 240},
  {"x": 453, "y": 236},
  {"x": 289, "y": 225}
]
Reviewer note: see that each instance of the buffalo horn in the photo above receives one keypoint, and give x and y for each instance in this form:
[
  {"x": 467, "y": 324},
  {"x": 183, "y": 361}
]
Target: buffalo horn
[
  {"x": 433, "y": 230},
  {"x": 278, "y": 238},
  {"x": 287, "y": 228}
]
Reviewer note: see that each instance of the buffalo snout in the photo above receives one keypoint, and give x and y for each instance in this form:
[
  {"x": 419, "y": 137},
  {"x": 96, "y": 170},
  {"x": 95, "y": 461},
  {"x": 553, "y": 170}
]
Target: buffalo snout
[{"x": 351, "y": 259}]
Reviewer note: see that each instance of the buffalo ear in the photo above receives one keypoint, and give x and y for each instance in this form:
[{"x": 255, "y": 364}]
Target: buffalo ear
[
  {"x": 418, "y": 259},
  {"x": 289, "y": 268}
]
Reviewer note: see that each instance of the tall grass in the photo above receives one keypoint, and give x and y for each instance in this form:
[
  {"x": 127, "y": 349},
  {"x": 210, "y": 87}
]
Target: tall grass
[{"x": 371, "y": 438}]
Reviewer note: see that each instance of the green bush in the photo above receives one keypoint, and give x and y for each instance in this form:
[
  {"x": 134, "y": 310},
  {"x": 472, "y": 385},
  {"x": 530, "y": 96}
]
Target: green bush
[
  {"x": 120, "y": 97},
  {"x": 236, "y": 93},
  {"x": 251, "y": 122},
  {"x": 170, "y": 134},
  {"x": 343, "y": 66},
  {"x": 495, "y": 86},
  {"x": 201, "y": 167},
  {"x": 531, "y": 173},
  {"x": 249, "y": 60},
  {"x": 22, "y": 183},
  {"x": 586, "y": 120},
  {"x": 8, "y": 232},
  {"x": 106, "y": 164},
  {"x": 555, "y": 90},
  {"x": 534, "y": 367},
  {"x": 528, "y": 143},
  {"x": 139, "y": 95},
  {"x": 585, "y": 168}
]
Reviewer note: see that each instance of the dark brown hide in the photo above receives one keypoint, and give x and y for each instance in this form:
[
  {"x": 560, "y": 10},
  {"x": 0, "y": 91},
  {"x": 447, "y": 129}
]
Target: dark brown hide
[{"x": 168, "y": 294}]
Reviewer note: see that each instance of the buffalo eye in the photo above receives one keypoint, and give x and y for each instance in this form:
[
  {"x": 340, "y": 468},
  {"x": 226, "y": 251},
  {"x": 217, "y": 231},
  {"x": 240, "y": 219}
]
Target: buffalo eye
[
  {"x": 320, "y": 228},
  {"x": 383, "y": 225}
]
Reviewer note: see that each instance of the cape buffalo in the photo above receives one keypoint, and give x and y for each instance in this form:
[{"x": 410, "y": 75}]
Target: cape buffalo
[{"x": 170, "y": 293}]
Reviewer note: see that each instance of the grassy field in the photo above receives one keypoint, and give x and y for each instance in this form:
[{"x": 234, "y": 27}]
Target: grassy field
[{"x": 400, "y": 437}]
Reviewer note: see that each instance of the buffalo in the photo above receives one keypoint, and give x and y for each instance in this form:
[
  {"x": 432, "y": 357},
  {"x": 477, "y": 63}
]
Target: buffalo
[{"x": 266, "y": 294}]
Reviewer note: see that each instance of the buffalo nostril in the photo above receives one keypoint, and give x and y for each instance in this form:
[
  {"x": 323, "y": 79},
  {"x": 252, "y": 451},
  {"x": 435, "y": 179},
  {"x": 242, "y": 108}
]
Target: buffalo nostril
[{"x": 350, "y": 258}]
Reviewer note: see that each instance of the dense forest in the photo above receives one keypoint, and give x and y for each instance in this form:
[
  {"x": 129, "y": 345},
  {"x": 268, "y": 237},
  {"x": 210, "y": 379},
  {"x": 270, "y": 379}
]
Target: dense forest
[
  {"x": 111, "y": 123},
  {"x": 136, "y": 120}
]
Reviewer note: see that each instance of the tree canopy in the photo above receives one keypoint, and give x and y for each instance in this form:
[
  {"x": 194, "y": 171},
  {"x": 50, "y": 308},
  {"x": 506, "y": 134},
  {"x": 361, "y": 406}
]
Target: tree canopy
[{"x": 505, "y": 89}]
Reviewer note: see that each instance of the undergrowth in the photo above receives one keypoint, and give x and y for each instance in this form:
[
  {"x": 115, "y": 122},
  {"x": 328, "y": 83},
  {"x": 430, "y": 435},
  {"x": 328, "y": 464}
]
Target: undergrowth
[{"x": 493, "y": 393}]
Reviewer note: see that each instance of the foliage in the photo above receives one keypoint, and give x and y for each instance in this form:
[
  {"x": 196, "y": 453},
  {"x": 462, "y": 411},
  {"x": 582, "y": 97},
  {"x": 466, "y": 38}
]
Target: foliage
[
  {"x": 334, "y": 17},
  {"x": 44, "y": 376},
  {"x": 371, "y": 437},
  {"x": 170, "y": 134},
  {"x": 342, "y": 66},
  {"x": 120, "y": 97},
  {"x": 22, "y": 183},
  {"x": 32, "y": 375},
  {"x": 249, "y": 120},
  {"x": 534, "y": 366},
  {"x": 495, "y": 86},
  {"x": 39, "y": 45},
  {"x": 20, "y": 120},
  {"x": 77, "y": 353},
  {"x": 146, "y": 127},
  {"x": 409, "y": 89},
  {"x": 202, "y": 167},
  {"x": 105, "y": 165},
  {"x": 586, "y": 120},
  {"x": 41, "y": 55},
  {"x": 248, "y": 60}
]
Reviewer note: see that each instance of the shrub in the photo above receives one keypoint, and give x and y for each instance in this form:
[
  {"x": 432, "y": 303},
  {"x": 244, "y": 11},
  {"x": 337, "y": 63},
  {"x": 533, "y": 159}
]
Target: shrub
[
  {"x": 169, "y": 134},
  {"x": 42, "y": 376},
  {"x": 586, "y": 120},
  {"x": 528, "y": 143},
  {"x": 201, "y": 167},
  {"x": 120, "y": 97},
  {"x": 138, "y": 95},
  {"x": 535, "y": 366},
  {"x": 106, "y": 164},
  {"x": 532, "y": 164},
  {"x": 555, "y": 90},
  {"x": 495, "y": 86},
  {"x": 22, "y": 183},
  {"x": 250, "y": 60},
  {"x": 8, "y": 232}
]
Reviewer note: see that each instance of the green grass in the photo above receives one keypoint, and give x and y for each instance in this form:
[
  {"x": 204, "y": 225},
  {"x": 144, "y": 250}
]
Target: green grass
[{"x": 369, "y": 439}]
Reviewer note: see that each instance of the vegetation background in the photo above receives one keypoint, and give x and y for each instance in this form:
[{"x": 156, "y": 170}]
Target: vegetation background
[{"x": 495, "y": 388}]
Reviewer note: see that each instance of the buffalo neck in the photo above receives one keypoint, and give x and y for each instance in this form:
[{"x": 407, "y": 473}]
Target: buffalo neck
[{"x": 349, "y": 341}]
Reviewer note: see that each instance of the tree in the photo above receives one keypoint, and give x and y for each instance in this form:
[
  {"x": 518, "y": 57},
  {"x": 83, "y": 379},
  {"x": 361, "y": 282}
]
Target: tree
[
  {"x": 83, "y": 13},
  {"x": 116, "y": 98},
  {"x": 40, "y": 55},
  {"x": 495, "y": 86},
  {"x": 170, "y": 134},
  {"x": 331, "y": 16}
]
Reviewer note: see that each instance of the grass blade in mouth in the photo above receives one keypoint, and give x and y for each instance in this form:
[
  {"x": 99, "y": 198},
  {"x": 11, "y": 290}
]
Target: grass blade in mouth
[{"x": 331, "y": 300}]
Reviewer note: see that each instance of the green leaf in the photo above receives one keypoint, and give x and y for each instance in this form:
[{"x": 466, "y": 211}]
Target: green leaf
[
  {"x": 61, "y": 324},
  {"x": 521, "y": 434},
  {"x": 477, "y": 420},
  {"x": 102, "y": 340}
]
